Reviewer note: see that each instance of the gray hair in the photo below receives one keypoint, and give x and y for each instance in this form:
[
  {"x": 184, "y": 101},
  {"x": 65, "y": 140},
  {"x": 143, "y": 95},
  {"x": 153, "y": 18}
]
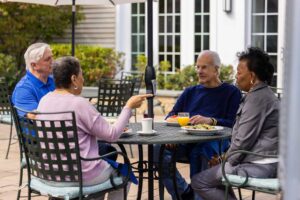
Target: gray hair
[
  {"x": 214, "y": 55},
  {"x": 34, "y": 53}
]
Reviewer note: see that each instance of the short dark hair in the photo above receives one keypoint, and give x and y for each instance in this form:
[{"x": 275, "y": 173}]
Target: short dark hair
[
  {"x": 63, "y": 69},
  {"x": 258, "y": 62}
]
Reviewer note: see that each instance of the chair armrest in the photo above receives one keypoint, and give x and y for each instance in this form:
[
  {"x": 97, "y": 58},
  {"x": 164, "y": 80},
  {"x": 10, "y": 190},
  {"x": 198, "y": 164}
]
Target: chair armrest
[
  {"x": 126, "y": 161},
  {"x": 246, "y": 174}
]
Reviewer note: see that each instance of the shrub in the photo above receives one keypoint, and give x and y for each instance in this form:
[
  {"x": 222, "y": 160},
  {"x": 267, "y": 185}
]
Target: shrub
[
  {"x": 188, "y": 77},
  {"x": 8, "y": 70},
  {"x": 22, "y": 24},
  {"x": 96, "y": 62},
  {"x": 227, "y": 73}
]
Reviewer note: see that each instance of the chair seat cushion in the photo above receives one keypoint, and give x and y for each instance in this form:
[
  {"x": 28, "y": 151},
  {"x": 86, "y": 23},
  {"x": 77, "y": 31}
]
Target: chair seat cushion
[
  {"x": 49, "y": 188},
  {"x": 263, "y": 183},
  {"x": 5, "y": 119}
]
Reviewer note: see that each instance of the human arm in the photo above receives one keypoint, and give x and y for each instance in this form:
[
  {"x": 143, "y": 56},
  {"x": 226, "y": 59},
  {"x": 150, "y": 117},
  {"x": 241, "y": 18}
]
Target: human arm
[
  {"x": 232, "y": 107},
  {"x": 25, "y": 98},
  {"x": 179, "y": 105},
  {"x": 250, "y": 126},
  {"x": 104, "y": 130}
]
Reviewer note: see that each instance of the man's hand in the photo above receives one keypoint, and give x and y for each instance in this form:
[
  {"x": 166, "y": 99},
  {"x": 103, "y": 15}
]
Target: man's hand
[{"x": 198, "y": 119}]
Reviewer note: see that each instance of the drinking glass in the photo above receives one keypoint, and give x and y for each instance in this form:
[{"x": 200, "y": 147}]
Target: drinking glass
[{"x": 183, "y": 118}]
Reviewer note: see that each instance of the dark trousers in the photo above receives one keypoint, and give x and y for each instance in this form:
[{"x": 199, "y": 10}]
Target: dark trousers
[
  {"x": 208, "y": 184},
  {"x": 105, "y": 148}
]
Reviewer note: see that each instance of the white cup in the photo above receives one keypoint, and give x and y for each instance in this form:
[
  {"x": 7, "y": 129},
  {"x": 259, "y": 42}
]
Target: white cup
[{"x": 147, "y": 125}]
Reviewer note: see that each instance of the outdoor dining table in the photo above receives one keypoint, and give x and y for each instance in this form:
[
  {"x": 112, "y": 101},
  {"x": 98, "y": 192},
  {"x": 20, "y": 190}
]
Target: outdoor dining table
[{"x": 165, "y": 135}]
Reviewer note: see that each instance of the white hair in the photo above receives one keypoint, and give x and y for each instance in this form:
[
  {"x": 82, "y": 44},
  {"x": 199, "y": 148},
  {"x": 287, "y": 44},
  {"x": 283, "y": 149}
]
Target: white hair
[
  {"x": 34, "y": 53},
  {"x": 214, "y": 55}
]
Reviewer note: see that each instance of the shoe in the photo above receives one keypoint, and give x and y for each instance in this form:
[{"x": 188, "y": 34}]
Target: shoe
[{"x": 188, "y": 194}]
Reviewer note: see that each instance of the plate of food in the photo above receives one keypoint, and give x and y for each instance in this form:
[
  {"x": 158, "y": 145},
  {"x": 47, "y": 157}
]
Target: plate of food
[
  {"x": 202, "y": 129},
  {"x": 127, "y": 132},
  {"x": 172, "y": 121}
]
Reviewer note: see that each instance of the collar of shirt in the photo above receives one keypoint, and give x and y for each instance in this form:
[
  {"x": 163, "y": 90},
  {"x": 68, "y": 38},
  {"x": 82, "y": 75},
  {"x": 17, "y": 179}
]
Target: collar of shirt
[
  {"x": 255, "y": 88},
  {"x": 258, "y": 86},
  {"x": 37, "y": 81}
]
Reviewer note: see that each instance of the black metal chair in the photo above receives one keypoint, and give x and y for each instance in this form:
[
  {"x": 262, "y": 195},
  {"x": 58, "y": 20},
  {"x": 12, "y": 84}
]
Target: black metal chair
[
  {"x": 53, "y": 158},
  {"x": 5, "y": 112},
  {"x": 22, "y": 156},
  {"x": 278, "y": 92},
  {"x": 137, "y": 80},
  {"x": 265, "y": 185},
  {"x": 112, "y": 96}
]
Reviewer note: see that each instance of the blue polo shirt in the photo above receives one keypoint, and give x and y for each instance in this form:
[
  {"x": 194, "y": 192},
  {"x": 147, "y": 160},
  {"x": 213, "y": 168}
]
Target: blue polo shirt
[{"x": 29, "y": 91}]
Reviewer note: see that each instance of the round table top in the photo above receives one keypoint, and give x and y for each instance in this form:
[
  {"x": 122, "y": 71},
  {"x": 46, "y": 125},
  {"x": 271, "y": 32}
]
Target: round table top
[{"x": 169, "y": 135}]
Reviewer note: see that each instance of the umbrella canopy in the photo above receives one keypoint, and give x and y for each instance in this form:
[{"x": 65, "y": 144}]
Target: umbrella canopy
[{"x": 78, "y": 2}]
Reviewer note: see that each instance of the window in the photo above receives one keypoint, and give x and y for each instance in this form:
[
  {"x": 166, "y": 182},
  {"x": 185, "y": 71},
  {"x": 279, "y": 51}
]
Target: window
[
  {"x": 264, "y": 31},
  {"x": 137, "y": 31},
  {"x": 169, "y": 33},
  {"x": 201, "y": 26}
]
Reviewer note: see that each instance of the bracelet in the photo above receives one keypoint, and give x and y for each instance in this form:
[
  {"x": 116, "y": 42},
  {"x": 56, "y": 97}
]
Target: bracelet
[{"x": 214, "y": 121}]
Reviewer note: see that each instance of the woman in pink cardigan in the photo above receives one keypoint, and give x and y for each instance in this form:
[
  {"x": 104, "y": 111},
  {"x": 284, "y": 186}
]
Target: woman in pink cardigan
[{"x": 91, "y": 125}]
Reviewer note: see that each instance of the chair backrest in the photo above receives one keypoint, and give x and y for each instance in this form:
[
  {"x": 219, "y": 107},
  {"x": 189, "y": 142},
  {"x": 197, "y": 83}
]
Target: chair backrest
[
  {"x": 278, "y": 92},
  {"x": 4, "y": 103},
  {"x": 51, "y": 146},
  {"x": 112, "y": 96},
  {"x": 136, "y": 78},
  {"x": 17, "y": 125}
]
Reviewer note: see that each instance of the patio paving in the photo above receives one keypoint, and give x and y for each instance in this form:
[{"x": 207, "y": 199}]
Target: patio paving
[{"x": 9, "y": 173}]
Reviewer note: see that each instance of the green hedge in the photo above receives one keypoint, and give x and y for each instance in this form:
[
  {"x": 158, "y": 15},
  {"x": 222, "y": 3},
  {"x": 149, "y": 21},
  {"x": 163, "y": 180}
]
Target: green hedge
[
  {"x": 96, "y": 62},
  {"x": 9, "y": 70}
]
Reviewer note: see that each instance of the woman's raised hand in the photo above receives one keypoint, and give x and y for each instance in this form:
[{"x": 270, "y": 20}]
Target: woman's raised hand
[{"x": 137, "y": 100}]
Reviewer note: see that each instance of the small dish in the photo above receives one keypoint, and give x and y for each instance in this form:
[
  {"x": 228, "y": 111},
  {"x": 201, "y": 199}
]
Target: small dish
[
  {"x": 127, "y": 133},
  {"x": 154, "y": 132},
  {"x": 172, "y": 123}
]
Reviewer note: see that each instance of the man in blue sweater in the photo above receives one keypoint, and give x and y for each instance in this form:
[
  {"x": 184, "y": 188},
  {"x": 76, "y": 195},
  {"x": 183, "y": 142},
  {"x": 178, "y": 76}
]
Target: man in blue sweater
[{"x": 211, "y": 102}]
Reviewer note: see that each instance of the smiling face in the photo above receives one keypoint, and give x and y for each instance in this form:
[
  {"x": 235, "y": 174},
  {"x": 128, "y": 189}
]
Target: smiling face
[
  {"x": 207, "y": 71},
  {"x": 244, "y": 76}
]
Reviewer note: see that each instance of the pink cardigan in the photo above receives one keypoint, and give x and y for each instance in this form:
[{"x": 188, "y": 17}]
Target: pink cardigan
[{"x": 90, "y": 124}]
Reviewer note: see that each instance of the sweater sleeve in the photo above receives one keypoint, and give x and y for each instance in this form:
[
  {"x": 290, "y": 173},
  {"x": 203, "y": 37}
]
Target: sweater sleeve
[
  {"x": 179, "y": 105},
  {"x": 104, "y": 130},
  {"x": 91, "y": 122},
  {"x": 232, "y": 108}
]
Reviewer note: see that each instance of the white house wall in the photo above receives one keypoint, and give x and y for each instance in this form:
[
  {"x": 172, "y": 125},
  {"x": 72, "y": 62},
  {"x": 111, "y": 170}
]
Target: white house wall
[
  {"x": 98, "y": 27},
  {"x": 187, "y": 32},
  {"x": 123, "y": 32},
  {"x": 228, "y": 30}
]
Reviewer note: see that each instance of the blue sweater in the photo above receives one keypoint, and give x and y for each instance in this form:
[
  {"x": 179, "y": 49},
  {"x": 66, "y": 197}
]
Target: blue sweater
[{"x": 220, "y": 103}]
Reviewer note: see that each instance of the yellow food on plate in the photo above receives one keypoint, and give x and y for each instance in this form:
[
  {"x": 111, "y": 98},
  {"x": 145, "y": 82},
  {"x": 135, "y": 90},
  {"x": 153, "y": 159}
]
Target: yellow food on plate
[
  {"x": 172, "y": 120},
  {"x": 201, "y": 127}
]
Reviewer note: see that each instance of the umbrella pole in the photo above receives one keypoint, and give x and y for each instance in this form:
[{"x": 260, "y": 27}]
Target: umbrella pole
[
  {"x": 73, "y": 26},
  {"x": 150, "y": 88},
  {"x": 150, "y": 78}
]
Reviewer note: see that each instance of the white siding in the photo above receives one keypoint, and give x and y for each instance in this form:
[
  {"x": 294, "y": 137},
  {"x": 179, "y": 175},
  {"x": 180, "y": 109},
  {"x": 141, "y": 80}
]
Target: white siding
[{"x": 98, "y": 27}]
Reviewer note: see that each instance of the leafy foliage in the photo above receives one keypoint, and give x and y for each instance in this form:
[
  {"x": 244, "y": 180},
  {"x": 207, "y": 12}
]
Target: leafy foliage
[
  {"x": 227, "y": 73},
  {"x": 8, "y": 70},
  {"x": 141, "y": 62},
  {"x": 96, "y": 62},
  {"x": 24, "y": 24}
]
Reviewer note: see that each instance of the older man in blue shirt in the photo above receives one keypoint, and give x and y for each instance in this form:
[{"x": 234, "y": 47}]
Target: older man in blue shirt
[
  {"x": 37, "y": 82},
  {"x": 211, "y": 102}
]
